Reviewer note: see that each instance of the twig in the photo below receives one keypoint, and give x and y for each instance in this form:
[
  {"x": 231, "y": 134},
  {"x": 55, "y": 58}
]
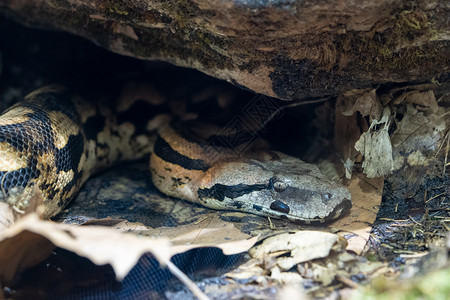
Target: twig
[
  {"x": 292, "y": 105},
  {"x": 447, "y": 149},
  {"x": 434, "y": 197},
  {"x": 347, "y": 281},
  {"x": 184, "y": 279},
  {"x": 270, "y": 223}
]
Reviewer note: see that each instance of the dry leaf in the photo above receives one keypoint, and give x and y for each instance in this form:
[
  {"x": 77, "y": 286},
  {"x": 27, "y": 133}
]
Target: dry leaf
[
  {"x": 364, "y": 101},
  {"x": 289, "y": 292},
  {"x": 425, "y": 99},
  {"x": 31, "y": 240},
  {"x": 324, "y": 274},
  {"x": 285, "y": 277},
  {"x": 417, "y": 132},
  {"x": 303, "y": 246},
  {"x": 343, "y": 265},
  {"x": 209, "y": 232},
  {"x": 35, "y": 238},
  {"x": 347, "y": 131},
  {"x": 251, "y": 268},
  {"x": 375, "y": 146}
]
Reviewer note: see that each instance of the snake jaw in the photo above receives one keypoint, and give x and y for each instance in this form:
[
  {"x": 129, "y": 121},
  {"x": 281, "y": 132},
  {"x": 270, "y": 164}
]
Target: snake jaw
[
  {"x": 286, "y": 188},
  {"x": 308, "y": 205},
  {"x": 306, "y": 195}
]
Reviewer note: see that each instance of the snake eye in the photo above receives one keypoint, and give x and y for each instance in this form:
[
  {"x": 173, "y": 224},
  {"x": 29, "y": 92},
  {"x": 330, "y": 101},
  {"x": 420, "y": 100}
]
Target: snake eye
[
  {"x": 279, "y": 186},
  {"x": 327, "y": 196}
]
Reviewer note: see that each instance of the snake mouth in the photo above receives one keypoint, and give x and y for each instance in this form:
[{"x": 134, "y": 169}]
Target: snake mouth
[{"x": 343, "y": 208}]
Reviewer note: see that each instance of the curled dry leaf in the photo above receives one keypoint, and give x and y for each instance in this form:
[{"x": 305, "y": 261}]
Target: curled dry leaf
[
  {"x": 416, "y": 134},
  {"x": 426, "y": 99},
  {"x": 375, "y": 146},
  {"x": 292, "y": 291},
  {"x": 324, "y": 274},
  {"x": 211, "y": 231},
  {"x": 343, "y": 265},
  {"x": 364, "y": 101},
  {"x": 303, "y": 246},
  {"x": 285, "y": 277},
  {"x": 16, "y": 208},
  {"x": 31, "y": 240}
]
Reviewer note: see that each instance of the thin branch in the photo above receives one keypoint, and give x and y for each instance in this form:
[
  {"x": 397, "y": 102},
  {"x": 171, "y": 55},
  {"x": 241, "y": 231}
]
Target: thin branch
[{"x": 184, "y": 279}]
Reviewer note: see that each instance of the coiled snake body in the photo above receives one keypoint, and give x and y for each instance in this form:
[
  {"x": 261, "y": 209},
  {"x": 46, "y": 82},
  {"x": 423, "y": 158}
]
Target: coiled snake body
[{"x": 54, "y": 140}]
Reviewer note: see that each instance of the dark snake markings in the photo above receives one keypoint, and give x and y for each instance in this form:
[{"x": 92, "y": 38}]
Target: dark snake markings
[{"x": 54, "y": 141}]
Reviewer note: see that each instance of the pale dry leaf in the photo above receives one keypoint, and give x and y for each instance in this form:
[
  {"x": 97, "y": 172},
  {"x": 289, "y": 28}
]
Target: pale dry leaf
[
  {"x": 304, "y": 246},
  {"x": 365, "y": 101},
  {"x": 101, "y": 245},
  {"x": 426, "y": 99},
  {"x": 31, "y": 239},
  {"x": 211, "y": 231},
  {"x": 377, "y": 151},
  {"x": 418, "y": 132},
  {"x": 368, "y": 268},
  {"x": 347, "y": 131},
  {"x": 375, "y": 146},
  {"x": 292, "y": 291},
  {"x": 417, "y": 159},
  {"x": 324, "y": 274},
  {"x": 285, "y": 277},
  {"x": 251, "y": 268},
  {"x": 20, "y": 250}
]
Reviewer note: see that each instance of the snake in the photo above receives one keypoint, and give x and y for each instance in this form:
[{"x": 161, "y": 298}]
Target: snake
[{"x": 53, "y": 140}]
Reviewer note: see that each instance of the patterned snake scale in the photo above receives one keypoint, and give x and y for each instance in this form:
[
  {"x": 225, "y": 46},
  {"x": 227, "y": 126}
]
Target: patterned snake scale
[{"x": 53, "y": 141}]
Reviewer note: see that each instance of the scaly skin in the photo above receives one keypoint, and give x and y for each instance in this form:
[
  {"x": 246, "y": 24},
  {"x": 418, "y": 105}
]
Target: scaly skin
[{"x": 54, "y": 141}]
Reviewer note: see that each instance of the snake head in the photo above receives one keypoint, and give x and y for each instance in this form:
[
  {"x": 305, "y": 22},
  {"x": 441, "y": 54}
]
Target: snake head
[
  {"x": 278, "y": 186},
  {"x": 302, "y": 193}
]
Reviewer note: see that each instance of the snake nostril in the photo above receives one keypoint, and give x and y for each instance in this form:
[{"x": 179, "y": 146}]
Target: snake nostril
[{"x": 280, "y": 206}]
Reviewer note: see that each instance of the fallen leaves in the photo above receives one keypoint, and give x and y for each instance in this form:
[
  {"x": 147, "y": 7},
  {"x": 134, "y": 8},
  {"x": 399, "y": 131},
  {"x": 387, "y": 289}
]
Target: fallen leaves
[
  {"x": 31, "y": 240},
  {"x": 375, "y": 146},
  {"x": 302, "y": 246},
  {"x": 314, "y": 256},
  {"x": 208, "y": 232},
  {"x": 401, "y": 127},
  {"x": 102, "y": 245},
  {"x": 365, "y": 101}
]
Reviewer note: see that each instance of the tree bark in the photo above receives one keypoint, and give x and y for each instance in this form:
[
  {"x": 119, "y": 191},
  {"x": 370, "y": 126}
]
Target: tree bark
[{"x": 288, "y": 49}]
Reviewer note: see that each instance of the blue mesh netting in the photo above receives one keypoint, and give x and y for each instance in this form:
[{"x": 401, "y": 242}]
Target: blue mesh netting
[{"x": 148, "y": 279}]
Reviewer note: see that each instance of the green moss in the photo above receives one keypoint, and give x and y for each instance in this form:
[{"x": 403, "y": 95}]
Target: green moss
[
  {"x": 385, "y": 51},
  {"x": 395, "y": 49},
  {"x": 412, "y": 21},
  {"x": 435, "y": 285}
]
